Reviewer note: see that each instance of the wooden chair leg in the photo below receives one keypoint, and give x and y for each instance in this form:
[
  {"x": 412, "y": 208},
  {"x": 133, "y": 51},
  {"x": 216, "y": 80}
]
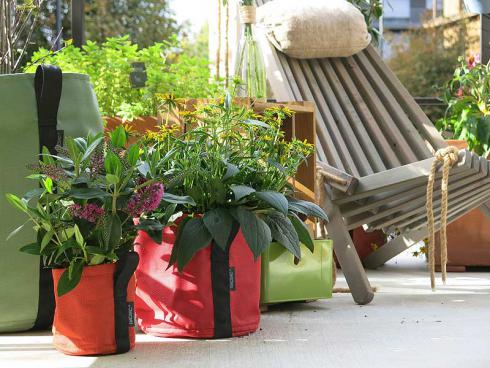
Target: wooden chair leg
[
  {"x": 347, "y": 255},
  {"x": 394, "y": 247}
]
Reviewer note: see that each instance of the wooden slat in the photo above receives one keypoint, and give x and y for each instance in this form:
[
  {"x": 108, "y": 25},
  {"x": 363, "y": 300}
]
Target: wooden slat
[
  {"x": 385, "y": 121},
  {"x": 385, "y": 148},
  {"x": 455, "y": 211},
  {"x": 328, "y": 138},
  {"x": 414, "y": 111},
  {"x": 401, "y": 177},
  {"x": 319, "y": 83},
  {"x": 456, "y": 191},
  {"x": 411, "y": 205},
  {"x": 454, "y": 204},
  {"x": 368, "y": 146},
  {"x": 411, "y": 135},
  {"x": 373, "y": 204}
]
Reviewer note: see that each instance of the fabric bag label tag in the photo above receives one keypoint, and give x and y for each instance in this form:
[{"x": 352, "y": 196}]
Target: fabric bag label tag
[
  {"x": 232, "y": 279},
  {"x": 130, "y": 314}
]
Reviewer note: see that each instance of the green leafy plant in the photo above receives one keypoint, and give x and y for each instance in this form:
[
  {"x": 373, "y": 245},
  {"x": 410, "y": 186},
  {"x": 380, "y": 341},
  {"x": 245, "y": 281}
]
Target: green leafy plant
[
  {"x": 468, "y": 98},
  {"x": 109, "y": 66},
  {"x": 372, "y": 11},
  {"x": 232, "y": 167},
  {"x": 84, "y": 208}
]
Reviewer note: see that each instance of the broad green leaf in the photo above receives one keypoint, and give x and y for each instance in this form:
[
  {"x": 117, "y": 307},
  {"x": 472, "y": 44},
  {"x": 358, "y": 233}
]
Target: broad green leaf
[
  {"x": 67, "y": 233},
  {"x": 112, "y": 164},
  {"x": 241, "y": 191},
  {"x": 302, "y": 231},
  {"x": 118, "y": 137},
  {"x": 46, "y": 239},
  {"x": 48, "y": 184},
  {"x": 91, "y": 148},
  {"x": 275, "y": 199},
  {"x": 169, "y": 212},
  {"x": 133, "y": 154},
  {"x": 70, "y": 278},
  {"x": 307, "y": 208},
  {"x": 219, "y": 223},
  {"x": 175, "y": 248},
  {"x": 283, "y": 231},
  {"x": 32, "y": 248},
  {"x": 112, "y": 231},
  {"x": 46, "y": 156},
  {"x": 194, "y": 237},
  {"x": 171, "y": 198},
  {"x": 111, "y": 179},
  {"x": 16, "y": 202},
  {"x": 97, "y": 259},
  {"x": 255, "y": 230},
  {"x": 231, "y": 170},
  {"x": 87, "y": 193},
  {"x": 34, "y": 193},
  {"x": 79, "y": 236},
  {"x": 153, "y": 228}
]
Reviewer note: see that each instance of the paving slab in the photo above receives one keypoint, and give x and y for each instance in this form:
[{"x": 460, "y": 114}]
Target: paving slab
[{"x": 407, "y": 325}]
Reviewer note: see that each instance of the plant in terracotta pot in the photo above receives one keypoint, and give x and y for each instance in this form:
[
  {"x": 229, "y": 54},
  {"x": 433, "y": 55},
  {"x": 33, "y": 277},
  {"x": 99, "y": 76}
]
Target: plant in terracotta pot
[
  {"x": 83, "y": 213},
  {"x": 468, "y": 98},
  {"x": 227, "y": 198}
]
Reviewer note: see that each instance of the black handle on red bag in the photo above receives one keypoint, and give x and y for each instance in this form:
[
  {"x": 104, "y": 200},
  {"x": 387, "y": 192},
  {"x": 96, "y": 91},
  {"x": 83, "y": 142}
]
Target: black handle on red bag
[
  {"x": 124, "y": 310},
  {"x": 221, "y": 277},
  {"x": 47, "y": 85}
]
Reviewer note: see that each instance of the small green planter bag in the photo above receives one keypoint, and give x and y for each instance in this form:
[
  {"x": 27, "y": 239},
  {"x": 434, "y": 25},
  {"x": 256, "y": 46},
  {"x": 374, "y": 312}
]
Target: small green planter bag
[
  {"x": 285, "y": 281},
  {"x": 35, "y": 110}
]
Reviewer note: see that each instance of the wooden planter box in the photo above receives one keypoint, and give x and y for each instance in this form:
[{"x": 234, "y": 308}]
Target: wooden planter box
[{"x": 468, "y": 239}]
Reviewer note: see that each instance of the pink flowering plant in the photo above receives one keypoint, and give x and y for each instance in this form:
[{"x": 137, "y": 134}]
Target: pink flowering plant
[
  {"x": 83, "y": 211},
  {"x": 468, "y": 98}
]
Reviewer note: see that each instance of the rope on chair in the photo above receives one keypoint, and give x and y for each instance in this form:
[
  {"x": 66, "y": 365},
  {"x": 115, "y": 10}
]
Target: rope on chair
[{"x": 448, "y": 157}]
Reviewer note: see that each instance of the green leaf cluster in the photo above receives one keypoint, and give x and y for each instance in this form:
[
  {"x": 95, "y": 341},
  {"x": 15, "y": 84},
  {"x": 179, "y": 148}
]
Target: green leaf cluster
[
  {"x": 80, "y": 211},
  {"x": 109, "y": 65},
  {"x": 468, "y": 99},
  {"x": 231, "y": 170}
]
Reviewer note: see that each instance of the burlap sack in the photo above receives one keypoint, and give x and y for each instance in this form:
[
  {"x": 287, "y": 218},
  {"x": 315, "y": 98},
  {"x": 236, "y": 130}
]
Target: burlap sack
[{"x": 314, "y": 28}]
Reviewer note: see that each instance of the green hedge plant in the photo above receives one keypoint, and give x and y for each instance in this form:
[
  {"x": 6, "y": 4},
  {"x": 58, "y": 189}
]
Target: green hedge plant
[{"x": 109, "y": 65}]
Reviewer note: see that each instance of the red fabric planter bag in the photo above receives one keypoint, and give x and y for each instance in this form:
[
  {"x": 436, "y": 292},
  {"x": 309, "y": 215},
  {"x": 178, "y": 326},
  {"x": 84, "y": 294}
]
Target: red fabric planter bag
[
  {"x": 216, "y": 296},
  {"x": 97, "y": 317}
]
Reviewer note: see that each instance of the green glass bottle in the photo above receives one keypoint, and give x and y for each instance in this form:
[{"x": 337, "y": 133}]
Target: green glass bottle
[{"x": 250, "y": 74}]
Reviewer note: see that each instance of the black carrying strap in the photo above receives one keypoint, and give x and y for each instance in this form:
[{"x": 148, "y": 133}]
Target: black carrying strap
[
  {"x": 47, "y": 85},
  {"x": 220, "y": 283},
  {"x": 123, "y": 310}
]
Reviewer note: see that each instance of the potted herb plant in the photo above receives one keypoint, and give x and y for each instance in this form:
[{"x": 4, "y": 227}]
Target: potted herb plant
[
  {"x": 467, "y": 121},
  {"x": 83, "y": 214},
  {"x": 227, "y": 198}
]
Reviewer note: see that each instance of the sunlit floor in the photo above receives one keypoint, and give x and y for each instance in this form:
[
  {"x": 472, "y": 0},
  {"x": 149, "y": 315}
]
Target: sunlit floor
[{"x": 407, "y": 325}]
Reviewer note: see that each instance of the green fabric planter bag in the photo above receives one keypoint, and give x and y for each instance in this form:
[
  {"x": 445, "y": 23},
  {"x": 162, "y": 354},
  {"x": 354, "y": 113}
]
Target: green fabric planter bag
[
  {"x": 35, "y": 110},
  {"x": 285, "y": 281}
]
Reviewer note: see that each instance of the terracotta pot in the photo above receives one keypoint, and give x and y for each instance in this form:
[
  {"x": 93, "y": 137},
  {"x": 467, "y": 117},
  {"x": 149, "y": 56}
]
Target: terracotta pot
[
  {"x": 97, "y": 317},
  {"x": 367, "y": 242},
  {"x": 139, "y": 125},
  {"x": 468, "y": 239}
]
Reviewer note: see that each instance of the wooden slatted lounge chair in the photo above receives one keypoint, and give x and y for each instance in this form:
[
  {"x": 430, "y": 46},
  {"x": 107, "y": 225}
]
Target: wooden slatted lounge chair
[{"x": 375, "y": 138}]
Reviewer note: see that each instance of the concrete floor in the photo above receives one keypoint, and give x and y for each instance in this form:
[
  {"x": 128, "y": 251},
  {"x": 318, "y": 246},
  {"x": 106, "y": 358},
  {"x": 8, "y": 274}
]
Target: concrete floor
[{"x": 407, "y": 325}]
